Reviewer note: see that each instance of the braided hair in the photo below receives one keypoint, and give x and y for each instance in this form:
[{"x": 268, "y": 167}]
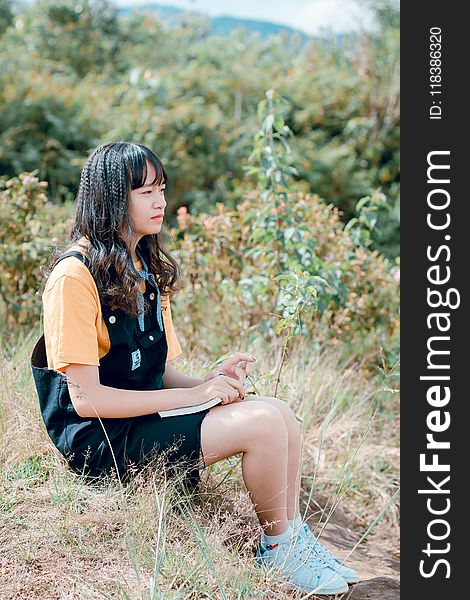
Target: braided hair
[{"x": 102, "y": 216}]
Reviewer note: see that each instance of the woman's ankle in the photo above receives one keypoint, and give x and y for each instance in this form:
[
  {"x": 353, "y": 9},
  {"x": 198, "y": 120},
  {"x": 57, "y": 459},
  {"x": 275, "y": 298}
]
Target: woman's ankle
[
  {"x": 296, "y": 522},
  {"x": 276, "y": 539}
]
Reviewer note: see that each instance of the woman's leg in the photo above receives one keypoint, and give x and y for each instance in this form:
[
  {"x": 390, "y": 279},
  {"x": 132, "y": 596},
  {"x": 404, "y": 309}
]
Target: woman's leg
[
  {"x": 258, "y": 430},
  {"x": 294, "y": 454}
]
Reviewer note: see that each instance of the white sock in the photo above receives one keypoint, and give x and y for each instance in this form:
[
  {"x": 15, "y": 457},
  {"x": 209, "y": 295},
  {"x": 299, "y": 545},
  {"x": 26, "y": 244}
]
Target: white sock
[
  {"x": 296, "y": 523},
  {"x": 270, "y": 540}
]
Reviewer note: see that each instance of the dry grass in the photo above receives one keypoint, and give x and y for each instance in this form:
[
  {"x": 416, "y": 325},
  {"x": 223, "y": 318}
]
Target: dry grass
[{"x": 62, "y": 538}]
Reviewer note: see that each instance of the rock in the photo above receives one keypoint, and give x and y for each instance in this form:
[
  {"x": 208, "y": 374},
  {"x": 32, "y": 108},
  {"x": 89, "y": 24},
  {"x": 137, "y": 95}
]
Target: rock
[{"x": 380, "y": 588}]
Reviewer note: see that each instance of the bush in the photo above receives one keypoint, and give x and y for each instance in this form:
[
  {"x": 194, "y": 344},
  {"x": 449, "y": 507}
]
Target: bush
[
  {"x": 232, "y": 286},
  {"x": 29, "y": 225}
]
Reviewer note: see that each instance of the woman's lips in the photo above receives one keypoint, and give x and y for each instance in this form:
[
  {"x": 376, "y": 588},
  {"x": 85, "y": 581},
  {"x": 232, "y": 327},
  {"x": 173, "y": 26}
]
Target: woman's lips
[{"x": 157, "y": 218}]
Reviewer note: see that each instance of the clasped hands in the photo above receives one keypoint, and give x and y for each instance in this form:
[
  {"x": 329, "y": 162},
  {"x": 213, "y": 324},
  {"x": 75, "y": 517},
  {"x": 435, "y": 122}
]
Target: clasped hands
[{"x": 233, "y": 373}]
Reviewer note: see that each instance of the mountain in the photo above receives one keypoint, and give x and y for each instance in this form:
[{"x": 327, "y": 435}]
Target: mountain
[{"x": 221, "y": 26}]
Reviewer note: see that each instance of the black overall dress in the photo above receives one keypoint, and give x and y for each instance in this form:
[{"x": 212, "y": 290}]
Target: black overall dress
[{"x": 135, "y": 361}]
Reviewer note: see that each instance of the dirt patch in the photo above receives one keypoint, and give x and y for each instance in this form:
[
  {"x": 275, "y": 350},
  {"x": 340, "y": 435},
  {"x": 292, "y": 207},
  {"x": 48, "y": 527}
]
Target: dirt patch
[{"x": 75, "y": 546}]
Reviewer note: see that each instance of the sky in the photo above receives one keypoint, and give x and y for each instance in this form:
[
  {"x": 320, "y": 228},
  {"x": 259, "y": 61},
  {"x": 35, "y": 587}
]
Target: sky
[{"x": 309, "y": 16}]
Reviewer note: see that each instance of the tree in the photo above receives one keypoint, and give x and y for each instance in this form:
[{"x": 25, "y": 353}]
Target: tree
[{"x": 84, "y": 34}]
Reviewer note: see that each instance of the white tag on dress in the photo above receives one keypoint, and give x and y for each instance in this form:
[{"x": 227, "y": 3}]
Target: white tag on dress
[{"x": 135, "y": 356}]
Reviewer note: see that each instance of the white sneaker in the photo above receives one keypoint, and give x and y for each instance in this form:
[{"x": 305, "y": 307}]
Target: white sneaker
[
  {"x": 304, "y": 569},
  {"x": 348, "y": 574}
]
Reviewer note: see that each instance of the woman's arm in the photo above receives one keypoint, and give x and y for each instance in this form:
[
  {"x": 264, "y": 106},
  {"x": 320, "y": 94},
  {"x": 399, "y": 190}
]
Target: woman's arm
[
  {"x": 175, "y": 379},
  {"x": 91, "y": 399}
]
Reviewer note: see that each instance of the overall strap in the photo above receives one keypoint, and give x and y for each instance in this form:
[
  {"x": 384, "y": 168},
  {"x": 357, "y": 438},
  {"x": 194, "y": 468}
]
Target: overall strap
[
  {"x": 149, "y": 278},
  {"x": 85, "y": 260}
]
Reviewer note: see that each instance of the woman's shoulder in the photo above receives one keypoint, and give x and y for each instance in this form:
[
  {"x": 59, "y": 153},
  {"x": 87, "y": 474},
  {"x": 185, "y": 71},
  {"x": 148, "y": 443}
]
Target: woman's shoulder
[{"x": 72, "y": 267}]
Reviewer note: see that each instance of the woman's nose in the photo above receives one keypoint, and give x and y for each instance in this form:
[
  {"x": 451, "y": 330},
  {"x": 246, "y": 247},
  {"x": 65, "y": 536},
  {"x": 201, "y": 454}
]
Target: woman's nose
[{"x": 159, "y": 201}]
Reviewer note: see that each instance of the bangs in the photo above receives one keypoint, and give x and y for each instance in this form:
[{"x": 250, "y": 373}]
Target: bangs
[{"x": 136, "y": 160}]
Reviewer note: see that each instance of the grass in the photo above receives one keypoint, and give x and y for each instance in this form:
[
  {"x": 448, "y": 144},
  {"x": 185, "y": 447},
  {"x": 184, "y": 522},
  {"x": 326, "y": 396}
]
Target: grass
[{"x": 64, "y": 538}]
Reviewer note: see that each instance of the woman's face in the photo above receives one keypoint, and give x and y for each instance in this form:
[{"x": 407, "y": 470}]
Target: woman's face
[{"x": 146, "y": 204}]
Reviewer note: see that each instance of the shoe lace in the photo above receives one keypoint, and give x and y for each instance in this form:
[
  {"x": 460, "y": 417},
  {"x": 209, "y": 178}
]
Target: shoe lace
[
  {"x": 302, "y": 552},
  {"x": 320, "y": 550}
]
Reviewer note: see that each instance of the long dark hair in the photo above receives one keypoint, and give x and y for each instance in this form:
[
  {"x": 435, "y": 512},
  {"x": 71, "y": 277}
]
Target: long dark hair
[{"x": 102, "y": 216}]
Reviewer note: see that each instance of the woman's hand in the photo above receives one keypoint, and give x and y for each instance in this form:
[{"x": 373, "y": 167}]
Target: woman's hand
[
  {"x": 236, "y": 367},
  {"x": 222, "y": 386}
]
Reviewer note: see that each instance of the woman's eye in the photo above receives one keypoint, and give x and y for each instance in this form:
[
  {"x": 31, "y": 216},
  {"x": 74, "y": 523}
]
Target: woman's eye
[{"x": 147, "y": 192}]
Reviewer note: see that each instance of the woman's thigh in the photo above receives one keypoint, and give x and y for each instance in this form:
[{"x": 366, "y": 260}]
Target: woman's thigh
[{"x": 229, "y": 429}]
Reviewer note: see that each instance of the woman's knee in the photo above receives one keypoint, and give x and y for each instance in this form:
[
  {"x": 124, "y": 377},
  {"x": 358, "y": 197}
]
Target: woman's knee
[
  {"x": 243, "y": 425},
  {"x": 266, "y": 424},
  {"x": 285, "y": 410},
  {"x": 240, "y": 427}
]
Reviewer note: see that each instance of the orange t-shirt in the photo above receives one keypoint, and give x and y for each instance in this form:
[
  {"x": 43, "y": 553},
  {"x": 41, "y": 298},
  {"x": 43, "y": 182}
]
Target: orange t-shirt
[{"x": 74, "y": 329}]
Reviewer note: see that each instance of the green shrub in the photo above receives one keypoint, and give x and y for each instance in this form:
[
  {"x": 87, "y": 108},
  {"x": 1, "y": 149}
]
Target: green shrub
[
  {"x": 29, "y": 226},
  {"x": 232, "y": 287}
]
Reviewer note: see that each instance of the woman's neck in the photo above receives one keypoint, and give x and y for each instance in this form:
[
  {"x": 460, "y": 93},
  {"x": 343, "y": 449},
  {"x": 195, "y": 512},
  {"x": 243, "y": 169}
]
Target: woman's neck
[{"x": 132, "y": 248}]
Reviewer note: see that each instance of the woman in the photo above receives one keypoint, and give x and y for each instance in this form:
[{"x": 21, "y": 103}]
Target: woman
[{"x": 103, "y": 367}]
